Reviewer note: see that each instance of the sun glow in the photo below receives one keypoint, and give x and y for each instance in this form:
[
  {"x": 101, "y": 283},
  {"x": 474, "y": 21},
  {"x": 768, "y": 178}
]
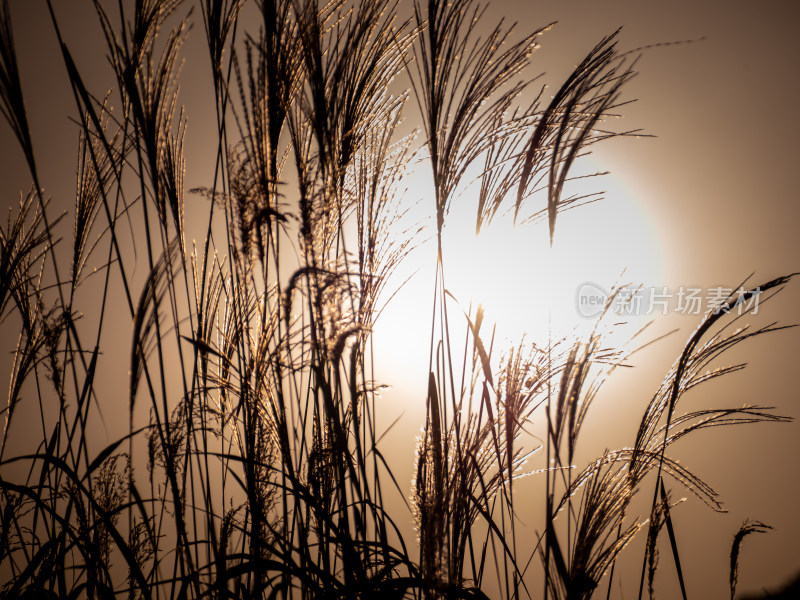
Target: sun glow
[
  {"x": 528, "y": 287},
  {"x": 525, "y": 287}
]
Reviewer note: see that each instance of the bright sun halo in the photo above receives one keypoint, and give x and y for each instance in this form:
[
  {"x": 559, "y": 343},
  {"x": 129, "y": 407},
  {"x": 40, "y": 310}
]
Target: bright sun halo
[{"x": 526, "y": 286}]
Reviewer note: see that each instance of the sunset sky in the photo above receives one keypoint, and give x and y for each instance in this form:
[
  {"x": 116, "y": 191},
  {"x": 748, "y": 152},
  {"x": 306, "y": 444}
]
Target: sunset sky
[{"x": 710, "y": 199}]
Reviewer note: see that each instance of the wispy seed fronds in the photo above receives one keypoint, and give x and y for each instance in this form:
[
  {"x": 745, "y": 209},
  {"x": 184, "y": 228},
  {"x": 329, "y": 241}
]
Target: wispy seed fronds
[{"x": 746, "y": 529}]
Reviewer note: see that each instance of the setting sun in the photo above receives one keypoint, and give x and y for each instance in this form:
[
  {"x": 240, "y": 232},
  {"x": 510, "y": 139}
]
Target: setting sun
[{"x": 525, "y": 285}]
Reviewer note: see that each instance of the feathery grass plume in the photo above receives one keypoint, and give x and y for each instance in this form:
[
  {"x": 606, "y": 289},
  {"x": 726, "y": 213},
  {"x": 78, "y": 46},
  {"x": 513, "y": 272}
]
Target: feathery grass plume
[
  {"x": 350, "y": 55},
  {"x": 149, "y": 95},
  {"x": 109, "y": 492},
  {"x": 571, "y": 122},
  {"x": 27, "y": 353},
  {"x": 23, "y": 243},
  {"x": 746, "y": 529},
  {"x": 142, "y": 545},
  {"x": 520, "y": 391},
  {"x": 154, "y": 102},
  {"x": 502, "y": 161},
  {"x": 600, "y": 534},
  {"x": 577, "y": 372},
  {"x": 347, "y": 78},
  {"x": 379, "y": 168},
  {"x": 250, "y": 207},
  {"x": 689, "y": 372},
  {"x": 657, "y": 518},
  {"x": 220, "y": 18},
  {"x": 267, "y": 92},
  {"x": 96, "y": 172},
  {"x": 208, "y": 287},
  {"x": 463, "y": 83}
]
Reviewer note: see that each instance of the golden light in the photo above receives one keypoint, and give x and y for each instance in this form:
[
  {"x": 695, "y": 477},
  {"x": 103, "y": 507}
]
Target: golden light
[{"x": 526, "y": 287}]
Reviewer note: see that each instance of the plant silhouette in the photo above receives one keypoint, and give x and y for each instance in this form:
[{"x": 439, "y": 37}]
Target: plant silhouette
[{"x": 252, "y": 465}]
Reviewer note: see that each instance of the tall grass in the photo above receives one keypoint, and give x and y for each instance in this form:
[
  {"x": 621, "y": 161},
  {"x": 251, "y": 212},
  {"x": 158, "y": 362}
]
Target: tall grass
[{"x": 251, "y": 466}]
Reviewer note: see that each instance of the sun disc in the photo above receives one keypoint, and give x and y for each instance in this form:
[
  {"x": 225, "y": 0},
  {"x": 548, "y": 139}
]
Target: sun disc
[{"x": 528, "y": 287}]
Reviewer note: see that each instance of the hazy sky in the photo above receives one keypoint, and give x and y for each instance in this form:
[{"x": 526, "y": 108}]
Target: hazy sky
[{"x": 714, "y": 198}]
